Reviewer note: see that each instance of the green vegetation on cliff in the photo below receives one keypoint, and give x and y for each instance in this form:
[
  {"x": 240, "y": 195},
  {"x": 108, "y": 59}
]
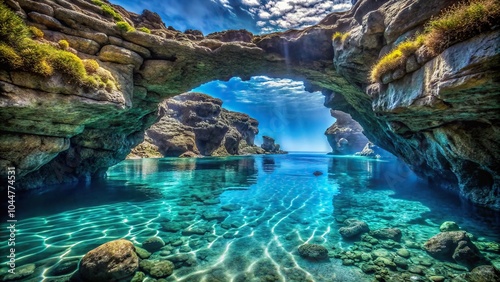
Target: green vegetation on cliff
[
  {"x": 145, "y": 29},
  {"x": 340, "y": 36},
  {"x": 458, "y": 23},
  {"x": 108, "y": 10},
  {"x": 23, "y": 48},
  {"x": 125, "y": 26}
]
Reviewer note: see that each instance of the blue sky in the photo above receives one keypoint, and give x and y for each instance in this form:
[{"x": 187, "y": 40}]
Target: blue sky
[
  {"x": 295, "y": 118},
  {"x": 257, "y": 16}
]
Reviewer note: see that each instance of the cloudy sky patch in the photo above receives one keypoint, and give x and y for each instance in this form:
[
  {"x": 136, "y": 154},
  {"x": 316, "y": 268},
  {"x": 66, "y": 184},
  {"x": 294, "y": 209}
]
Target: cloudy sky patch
[{"x": 257, "y": 16}]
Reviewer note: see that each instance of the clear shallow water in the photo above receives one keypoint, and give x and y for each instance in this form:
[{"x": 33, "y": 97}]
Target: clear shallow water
[{"x": 282, "y": 205}]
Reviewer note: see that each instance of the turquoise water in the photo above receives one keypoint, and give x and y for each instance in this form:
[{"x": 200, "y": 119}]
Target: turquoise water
[{"x": 277, "y": 204}]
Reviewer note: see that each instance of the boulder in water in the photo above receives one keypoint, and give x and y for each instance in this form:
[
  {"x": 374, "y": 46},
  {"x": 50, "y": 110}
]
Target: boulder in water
[
  {"x": 313, "y": 252},
  {"x": 353, "y": 228},
  {"x": 112, "y": 261}
]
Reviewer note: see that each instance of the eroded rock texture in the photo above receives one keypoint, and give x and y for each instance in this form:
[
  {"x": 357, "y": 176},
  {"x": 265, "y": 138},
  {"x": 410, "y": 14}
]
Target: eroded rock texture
[
  {"x": 440, "y": 115},
  {"x": 195, "y": 124},
  {"x": 345, "y": 135}
]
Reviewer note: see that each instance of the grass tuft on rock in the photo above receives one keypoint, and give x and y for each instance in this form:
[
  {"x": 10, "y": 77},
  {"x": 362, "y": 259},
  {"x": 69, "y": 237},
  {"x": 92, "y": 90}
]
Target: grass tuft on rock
[
  {"x": 63, "y": 44},
  {"x": 145, "y": 29},
  {"x": 36, "y": 32},
  {"x": 108, "y": 10},
  {"x": 340, "y": 37},
  {"x": 461, "y": 22},
  {"x": 91, "y": 66},
  {"x": 18, "y": 51},
  {"x": 458, "y": 23},
  {"x": 124, "y": 26}
]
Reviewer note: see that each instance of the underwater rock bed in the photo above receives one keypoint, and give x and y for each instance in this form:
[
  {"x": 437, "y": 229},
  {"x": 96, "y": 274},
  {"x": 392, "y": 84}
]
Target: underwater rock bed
[{"x": 244, "y": 218}]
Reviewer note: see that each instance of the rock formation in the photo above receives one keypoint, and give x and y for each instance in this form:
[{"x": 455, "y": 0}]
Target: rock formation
[
  {"x": 269, "y": 146},
  {"x": 373, "y": 151},
  {"x": 345, "y": 135},
  {"x": 453, "y": 245},
  {"x": 112, "y": 261},
  {"x": 195, "y": 124},
  {"x": 440, "y": 115}
]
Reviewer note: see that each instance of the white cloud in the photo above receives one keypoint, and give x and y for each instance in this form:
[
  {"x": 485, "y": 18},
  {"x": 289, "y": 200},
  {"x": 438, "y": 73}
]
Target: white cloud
[
  {"x": 264, "y": 15},
  {"x": 265, "y": 92},
  {"x": 261, "y": 23},
  {"x": 250, "y": 2},
  {"x": 278, "y": 15}
]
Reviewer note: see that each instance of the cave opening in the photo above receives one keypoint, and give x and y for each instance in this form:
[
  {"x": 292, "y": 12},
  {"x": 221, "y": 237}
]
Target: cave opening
[{"x": 296, "y": 118}]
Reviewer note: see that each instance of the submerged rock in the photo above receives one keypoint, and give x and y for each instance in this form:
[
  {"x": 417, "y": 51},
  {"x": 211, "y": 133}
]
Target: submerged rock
[
  {"x": 138, "y": 277},
  {"x": 112, "y": 261},
  {"x": 313, "y": 252},
  {"x": 142, "y": 253},
  {"x": 219, "y": 216},
  {"x": 21, "y": 272},
  {"x": 483, "y": 273},
  {"x": 403, "y": 253},
  {"x": 173, "y": 226},
  {"x": 157, "y": 268},
  {"x": 353, "y": 228},
  {"x": 153, "y": 244},
  {"x": 449, "y": 226},
  {"x": 231, "y": 207},
  {"x": 64, "y": 267},
  {"x": 194, "y": 231},
  {"x": 387, "y": 233},
  {"x": 453, "y": 245}
]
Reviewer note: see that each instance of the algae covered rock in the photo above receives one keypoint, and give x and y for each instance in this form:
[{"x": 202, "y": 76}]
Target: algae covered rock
[
  {"x": 387, "y": 233},
  {"x": 353, "y": 228},
  {"x": 453, "y": 245},
  {"x": 64, "y": 267},
  {"x": 482, "y": 273},
  {"x": 112, "y": 261},
  {"x": 21, "y": 272},
  {"x": 142, "y": 253},
  {"x": 153, "y": 244},
  {"x": 313, "y": 252},
  {"x": 231, "y": 207},
  {"x": 213, "y": 215},
  {"x": 158, "y": 268},
  {"x": 449, "y": 226}
]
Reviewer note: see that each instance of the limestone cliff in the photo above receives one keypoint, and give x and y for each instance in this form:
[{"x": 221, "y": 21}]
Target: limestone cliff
[
  {"x": 345, "y": 136},
  {"x": 440, "y": 116},
  {"x": 195, "y": 124}
]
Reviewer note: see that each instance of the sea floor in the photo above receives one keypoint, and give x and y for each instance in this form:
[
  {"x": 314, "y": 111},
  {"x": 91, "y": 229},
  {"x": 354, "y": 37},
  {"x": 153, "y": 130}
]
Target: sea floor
[{"x": 243, "y": 218}]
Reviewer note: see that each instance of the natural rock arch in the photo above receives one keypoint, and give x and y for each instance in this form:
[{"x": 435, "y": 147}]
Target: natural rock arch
[{"x": 57, "y": 132}]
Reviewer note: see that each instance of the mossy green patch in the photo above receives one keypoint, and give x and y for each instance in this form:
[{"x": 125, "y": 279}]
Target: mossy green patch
[
  {"x": 125, "y": 26},
  {"x": 108, "y": 10},
  {"x": 18, "y": 51},
  {"x": 145, "y": 29}
]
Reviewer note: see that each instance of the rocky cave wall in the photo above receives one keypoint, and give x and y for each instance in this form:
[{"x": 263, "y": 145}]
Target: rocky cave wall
[{"x": 440, "y": 118}]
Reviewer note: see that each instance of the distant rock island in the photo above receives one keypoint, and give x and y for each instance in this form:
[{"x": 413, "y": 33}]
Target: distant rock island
[
  {"x": 195, "y": 124},
  {"x": 345, "y": 135}
]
